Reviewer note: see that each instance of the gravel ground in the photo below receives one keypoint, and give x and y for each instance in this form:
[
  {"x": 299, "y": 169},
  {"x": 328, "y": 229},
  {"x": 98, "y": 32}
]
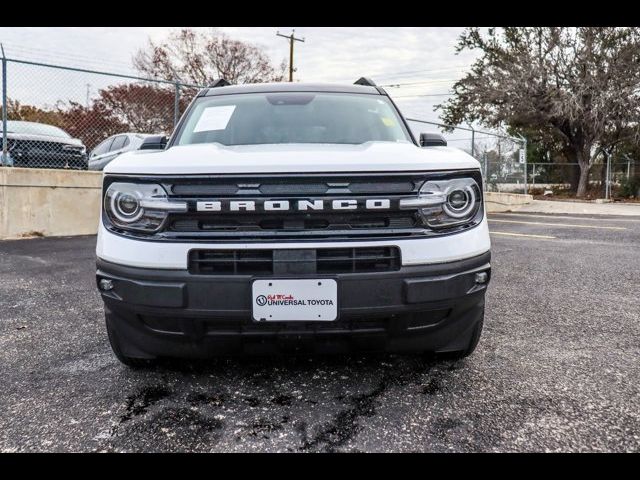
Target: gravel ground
[{"x": 557, "y": 368}]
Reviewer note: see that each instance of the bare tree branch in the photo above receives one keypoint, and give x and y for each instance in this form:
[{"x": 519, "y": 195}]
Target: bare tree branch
[{"x": 201, "y": 57}]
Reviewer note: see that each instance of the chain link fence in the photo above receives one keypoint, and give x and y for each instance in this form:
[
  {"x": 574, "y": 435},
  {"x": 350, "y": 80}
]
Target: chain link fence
[
  {"x": 502, "y": 157},
  {"x": 506, "y": 167},
  {"x": 62, "y": 117},
  {"x": 616, "y": 179}
]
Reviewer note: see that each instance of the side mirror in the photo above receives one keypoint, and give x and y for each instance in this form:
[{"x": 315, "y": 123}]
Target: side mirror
[
  {"x": 156, "y": 142},
  {"x": 432, "y": 140}
]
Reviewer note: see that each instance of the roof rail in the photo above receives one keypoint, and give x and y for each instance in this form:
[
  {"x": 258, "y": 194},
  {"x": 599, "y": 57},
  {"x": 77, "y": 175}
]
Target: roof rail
[
  {"x": 364, "y": 81},
  {"x": 221, "y": 82}
]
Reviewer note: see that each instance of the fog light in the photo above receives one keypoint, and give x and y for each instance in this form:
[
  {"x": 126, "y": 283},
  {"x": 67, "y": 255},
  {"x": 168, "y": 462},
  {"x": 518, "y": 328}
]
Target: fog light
[
  {"x": 105, "y": 284},
  {"x": 482, "y": 277}
]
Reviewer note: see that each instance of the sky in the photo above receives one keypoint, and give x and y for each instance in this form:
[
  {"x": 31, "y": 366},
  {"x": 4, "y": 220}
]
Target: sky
[{"x": 421, "y": 59}]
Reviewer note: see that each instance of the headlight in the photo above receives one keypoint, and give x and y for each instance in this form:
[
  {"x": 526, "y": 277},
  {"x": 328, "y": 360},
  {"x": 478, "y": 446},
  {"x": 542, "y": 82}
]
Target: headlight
[
  {"x": 139, "y": 207},
  {"x": 446, "y": 203}
]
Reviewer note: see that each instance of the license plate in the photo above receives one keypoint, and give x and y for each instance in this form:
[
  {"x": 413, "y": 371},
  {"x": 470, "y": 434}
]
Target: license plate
[{"x": 294, "y": 300}]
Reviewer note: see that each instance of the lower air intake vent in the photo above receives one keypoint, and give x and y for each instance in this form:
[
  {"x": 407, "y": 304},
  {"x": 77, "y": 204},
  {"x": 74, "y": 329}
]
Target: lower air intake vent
[
  {"x": 355, "y": 260},
  {"x": 325, "y": 261},
  {"x": 231, "y": 262}
]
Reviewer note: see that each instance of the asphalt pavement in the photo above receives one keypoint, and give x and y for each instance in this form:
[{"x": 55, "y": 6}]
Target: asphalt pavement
[{"x": 557, "y": 367}]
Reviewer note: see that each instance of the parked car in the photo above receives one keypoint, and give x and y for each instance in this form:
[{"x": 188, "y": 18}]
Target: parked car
[
  {"x": 31, "y": 144},
  {"x": 286, "y": 216},
  {"x": 113, "y": 146}
]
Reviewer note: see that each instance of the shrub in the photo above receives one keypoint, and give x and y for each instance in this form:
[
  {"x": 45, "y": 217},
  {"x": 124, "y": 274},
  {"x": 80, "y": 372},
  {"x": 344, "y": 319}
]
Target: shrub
[{"x": 630, "y": 187}]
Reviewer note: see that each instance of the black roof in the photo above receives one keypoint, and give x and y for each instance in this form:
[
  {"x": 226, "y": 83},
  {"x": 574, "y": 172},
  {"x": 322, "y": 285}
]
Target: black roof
[{"x": 290, "y": 87}]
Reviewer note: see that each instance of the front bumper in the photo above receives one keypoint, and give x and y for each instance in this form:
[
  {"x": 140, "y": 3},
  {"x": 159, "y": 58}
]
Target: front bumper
[{"x": 173, "y": 313}]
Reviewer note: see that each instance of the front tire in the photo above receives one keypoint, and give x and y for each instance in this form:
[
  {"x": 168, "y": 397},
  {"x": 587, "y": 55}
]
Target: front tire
[
  {"x": 116, "y": 347},
  {"x": 471, "y": 346}
]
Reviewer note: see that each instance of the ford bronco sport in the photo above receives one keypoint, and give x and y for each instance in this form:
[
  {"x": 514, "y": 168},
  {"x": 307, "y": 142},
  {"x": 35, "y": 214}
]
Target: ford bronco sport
[{"x": 292, "y": 217}]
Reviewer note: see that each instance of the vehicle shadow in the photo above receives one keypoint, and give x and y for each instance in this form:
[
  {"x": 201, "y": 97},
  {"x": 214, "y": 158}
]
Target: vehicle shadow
[{"x": 299, "y": 363}]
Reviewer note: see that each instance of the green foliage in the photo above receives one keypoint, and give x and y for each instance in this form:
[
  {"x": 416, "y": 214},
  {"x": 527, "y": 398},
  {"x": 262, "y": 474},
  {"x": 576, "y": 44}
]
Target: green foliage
[
  {"x": 572, "y": 88},
  {"x": 630, "y": 187}
]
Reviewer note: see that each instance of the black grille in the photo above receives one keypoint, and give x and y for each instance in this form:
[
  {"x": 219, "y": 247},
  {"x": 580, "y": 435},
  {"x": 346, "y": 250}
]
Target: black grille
[
  {"x": 262, "y": 225},
  {"x": 319, "y": 261},
  {"x": 39, "y": 147},
  {"x": 42, "y": 154},
  {"x": 292, "y": 223},
  {"x": 309, "y": 215},
  {"x": 323, "y": 224},
  {"x": 286, "y": 186}
]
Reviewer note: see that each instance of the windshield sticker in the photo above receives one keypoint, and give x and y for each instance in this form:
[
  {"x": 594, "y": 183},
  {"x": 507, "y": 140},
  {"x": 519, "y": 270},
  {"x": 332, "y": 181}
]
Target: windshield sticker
[
  {"x": 388, "y": 122},
  {"x": 214, "y": 118}
]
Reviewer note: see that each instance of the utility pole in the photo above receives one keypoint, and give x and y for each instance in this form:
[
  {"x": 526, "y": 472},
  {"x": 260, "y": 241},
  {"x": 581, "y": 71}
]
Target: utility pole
[{"x": 292, "y": 39}]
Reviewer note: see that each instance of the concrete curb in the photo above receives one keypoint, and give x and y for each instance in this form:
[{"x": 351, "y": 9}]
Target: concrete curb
[
  {"x": 579, "y": 208},
  {"x": 496, "y": 202}
]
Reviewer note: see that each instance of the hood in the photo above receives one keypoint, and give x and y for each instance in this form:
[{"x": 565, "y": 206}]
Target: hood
[
  {"x": 291, "y": 158},
  {"x": 43, "y": 138}
]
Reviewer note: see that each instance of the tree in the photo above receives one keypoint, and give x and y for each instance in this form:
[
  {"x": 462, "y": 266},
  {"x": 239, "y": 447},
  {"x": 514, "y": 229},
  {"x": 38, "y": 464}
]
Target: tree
[
  {"x": 200, "y": 58},
  {"x": 91, "y": 125},
  {"x": 128, "y": 107},
  {"x": 143, "y": 108},
  {"x": 576, "y": 86},
  {"x": 30, "y": 113}
]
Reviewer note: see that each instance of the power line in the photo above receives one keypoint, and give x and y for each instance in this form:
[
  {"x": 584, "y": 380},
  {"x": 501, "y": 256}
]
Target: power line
[
  {"x": 428, "y": 70},
  {"x": 393, "y": 85},
  {"x": 425, "y": 95},
  {"x": 412, "y": 72},
  {"x": 466, "y": 139}
]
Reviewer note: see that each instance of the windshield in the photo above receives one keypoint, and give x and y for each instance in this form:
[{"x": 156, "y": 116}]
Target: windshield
[
  {"x": 292, "y": 117},
  {"x": 31, "y": 128}
]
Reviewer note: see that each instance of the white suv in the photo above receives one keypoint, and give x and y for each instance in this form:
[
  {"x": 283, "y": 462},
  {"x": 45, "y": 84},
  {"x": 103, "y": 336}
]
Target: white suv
[{"x": 287, "y": 217}]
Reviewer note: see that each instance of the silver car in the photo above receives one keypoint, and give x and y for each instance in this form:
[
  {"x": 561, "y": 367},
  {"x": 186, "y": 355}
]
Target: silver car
[{"x": 113, "y": 146}]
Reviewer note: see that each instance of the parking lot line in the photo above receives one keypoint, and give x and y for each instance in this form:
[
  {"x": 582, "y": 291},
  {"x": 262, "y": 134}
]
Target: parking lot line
[
  {"x": 545, "y": 237},
  {"x": 566, "y": 217},
  {"x": 600, "y": 227}
]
